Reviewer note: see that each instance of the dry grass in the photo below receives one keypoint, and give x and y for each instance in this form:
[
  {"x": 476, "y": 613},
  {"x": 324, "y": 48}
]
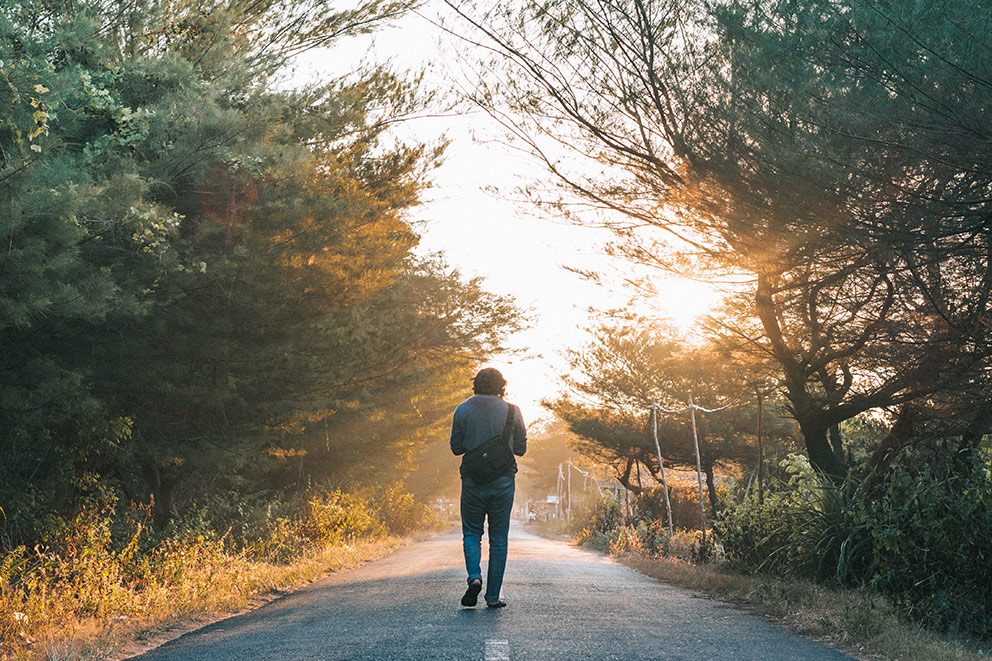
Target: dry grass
[
  {"x": 226, "y": 587},
  {"x": 95, "y": 594},
  {"x": 861, "y": 624}
]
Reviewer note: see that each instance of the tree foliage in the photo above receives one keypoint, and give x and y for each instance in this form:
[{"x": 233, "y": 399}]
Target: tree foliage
[
  {"x": 205, "y": 271},
  {"x": 631, "y": 365},
  {"x": 830, "y": 151}
]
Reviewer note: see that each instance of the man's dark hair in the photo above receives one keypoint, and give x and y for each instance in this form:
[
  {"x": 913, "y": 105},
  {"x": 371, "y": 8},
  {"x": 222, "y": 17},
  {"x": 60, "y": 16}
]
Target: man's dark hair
[{"x": 489, "y": 382}]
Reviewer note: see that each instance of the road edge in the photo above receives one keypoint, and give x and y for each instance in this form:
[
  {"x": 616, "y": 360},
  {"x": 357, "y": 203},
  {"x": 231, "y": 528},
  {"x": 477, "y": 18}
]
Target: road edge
[
  {"x": 144, "y": 640},
  {"x": 858, "y": 624}
]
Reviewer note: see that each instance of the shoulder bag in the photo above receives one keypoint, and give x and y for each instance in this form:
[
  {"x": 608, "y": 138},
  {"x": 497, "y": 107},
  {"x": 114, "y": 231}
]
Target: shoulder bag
[{"x": 494, "y": 457}]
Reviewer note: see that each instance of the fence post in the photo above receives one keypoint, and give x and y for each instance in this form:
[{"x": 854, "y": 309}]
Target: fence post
[
  {"x": 661, "y": 463},
  {"x": 699, "y": 477}
]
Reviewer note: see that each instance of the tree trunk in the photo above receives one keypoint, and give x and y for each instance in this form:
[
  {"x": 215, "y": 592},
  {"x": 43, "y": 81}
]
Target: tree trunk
[
  {"x": 624, "y": 478},
  {"x": 967, "y": 452},
  {"x": 807, "y": 411},
  {"x": 836, "y": 442},
  {"x": 820, "y": 451},
  {"x": 886, "y": 452}
]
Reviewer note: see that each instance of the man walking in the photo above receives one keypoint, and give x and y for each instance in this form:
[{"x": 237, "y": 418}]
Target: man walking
[{"x": 486, "y": 417}]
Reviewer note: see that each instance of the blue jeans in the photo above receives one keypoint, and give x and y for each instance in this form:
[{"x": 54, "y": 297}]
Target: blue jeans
[{"x": 494, "y": 500}]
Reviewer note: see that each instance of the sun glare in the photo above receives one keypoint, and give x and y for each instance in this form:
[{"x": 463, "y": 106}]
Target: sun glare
[{"x": 684, "y": 302}]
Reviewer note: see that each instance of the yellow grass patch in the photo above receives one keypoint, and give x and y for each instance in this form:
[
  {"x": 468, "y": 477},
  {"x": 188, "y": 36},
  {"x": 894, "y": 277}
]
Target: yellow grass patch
[{"x": 200, "y": 588}]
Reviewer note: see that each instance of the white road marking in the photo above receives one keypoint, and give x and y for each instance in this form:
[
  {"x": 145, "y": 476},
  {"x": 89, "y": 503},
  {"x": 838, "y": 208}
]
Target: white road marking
[{"x": 497, "y": 650}]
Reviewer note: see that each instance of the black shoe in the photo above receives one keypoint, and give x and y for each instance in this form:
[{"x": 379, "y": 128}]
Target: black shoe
[
  {"x": 471, "y": 596},
  {"x": 496, "y": 604}
]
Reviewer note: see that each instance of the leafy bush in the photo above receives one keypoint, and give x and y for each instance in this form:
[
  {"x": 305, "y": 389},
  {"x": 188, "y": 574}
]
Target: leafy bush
[
  {"x": 625, "y": 539},
  {"x": 650, "y": 505},
  {"x": 932, "y": 541},
  {"x": 243, "y": 519},
  {"x": 604, "y": 522},
  {"x": 646, "y": 534},
  {"x": 282, "y": 542},
  {"x": 805, "y": 527},
  {"x": 401, "y": 513},
  {"x": 922, "y": 540},
  {"x": 339, "y": 517},
  {"x": 754, "y": 534}
]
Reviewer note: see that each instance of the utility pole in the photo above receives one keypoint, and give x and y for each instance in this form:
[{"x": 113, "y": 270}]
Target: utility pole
[
  {"x": 569, "y": 488},
  {"x": 661, "y": 463},
  {"x": 699, "y": 476}
]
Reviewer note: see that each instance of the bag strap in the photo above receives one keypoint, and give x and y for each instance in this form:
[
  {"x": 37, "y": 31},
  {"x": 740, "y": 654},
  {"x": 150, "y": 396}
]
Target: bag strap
[{"x": 508, "y": 427}]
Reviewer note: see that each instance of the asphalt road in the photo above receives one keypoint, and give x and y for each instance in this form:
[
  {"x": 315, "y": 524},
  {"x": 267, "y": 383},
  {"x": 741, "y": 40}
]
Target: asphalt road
[{"x": 564, "y": 603}]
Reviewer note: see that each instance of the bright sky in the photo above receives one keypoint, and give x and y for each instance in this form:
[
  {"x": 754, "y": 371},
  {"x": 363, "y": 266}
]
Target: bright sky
[{"x": 484, "y": 233}]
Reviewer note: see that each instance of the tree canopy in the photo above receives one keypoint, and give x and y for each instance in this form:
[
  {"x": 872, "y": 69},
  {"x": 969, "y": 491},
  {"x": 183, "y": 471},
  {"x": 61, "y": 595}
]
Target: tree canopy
[
  {"x": 207, "y": 274},
  {"x": 830, "y": 152},
  {"x": 628, "y": 367}
]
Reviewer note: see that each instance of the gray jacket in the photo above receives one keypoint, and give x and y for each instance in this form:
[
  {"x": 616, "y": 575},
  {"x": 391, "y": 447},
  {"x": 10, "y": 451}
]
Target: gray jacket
[{"x": 481, "y": 417}]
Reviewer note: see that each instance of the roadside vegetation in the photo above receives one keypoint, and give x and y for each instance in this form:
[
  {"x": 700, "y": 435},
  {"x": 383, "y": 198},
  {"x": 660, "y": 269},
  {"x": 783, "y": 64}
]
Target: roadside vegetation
[
  {"x": 110, "y": 580},
  {"x": 912, "y": 532},
  {"x": 822, "y": 163},
  {"x": 216, "y": 337},
  {"x": 864, "y": 620}
]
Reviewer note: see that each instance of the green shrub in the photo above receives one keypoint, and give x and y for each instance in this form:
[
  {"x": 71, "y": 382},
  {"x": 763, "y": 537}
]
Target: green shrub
[
  {"x": 283, "y": 541},
  {"x": 603, "y": 525},
  {"x": 923, "y": 540},
  {"x": 625, "y": 539},
  {"x": 932, "y": 541},
  {"x": 243, "y": 519},
  {"x": 806, "y": 527},
  {"x": 654, "y": 536},
  {"x": 758, "y": 536},
  {"x": 684, "y": 498},
  {"x": 645, "y": 534},
  {"x": 339, "y": 517}
]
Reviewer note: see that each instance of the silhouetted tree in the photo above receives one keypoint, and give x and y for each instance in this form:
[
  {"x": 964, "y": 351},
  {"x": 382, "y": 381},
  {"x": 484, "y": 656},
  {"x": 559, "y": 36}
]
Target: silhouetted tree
[{"x": 831, "y": 151}]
